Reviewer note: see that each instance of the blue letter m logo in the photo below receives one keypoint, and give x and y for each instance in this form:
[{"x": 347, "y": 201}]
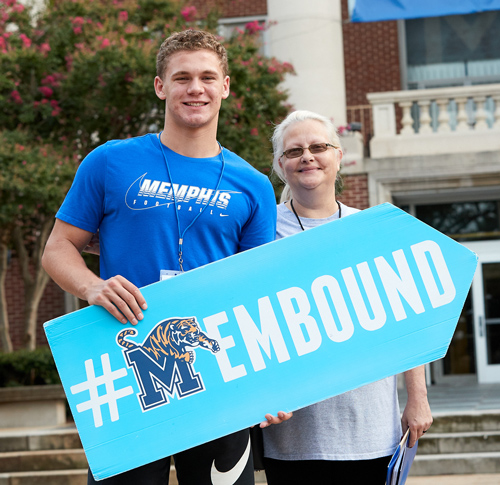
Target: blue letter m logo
[{"x": 156, "y": 381}]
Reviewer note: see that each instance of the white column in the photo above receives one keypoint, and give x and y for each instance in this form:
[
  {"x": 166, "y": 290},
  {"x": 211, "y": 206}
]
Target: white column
[
  {"x": 443, "y": 117},
  {"x": 462, "y": 124},
  {"x": 425, "y": 117},
  {"x": 481, "y": 123},
  {"x": 496, "y": 114},
  {"x": 407, "y": 120},
  {"x": 384, "y": 119},
  {"x": 308, "y": 34}
]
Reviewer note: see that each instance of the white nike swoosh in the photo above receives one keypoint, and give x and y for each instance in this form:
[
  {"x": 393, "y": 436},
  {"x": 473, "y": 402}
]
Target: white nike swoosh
[{"x": 231, "y": 476}]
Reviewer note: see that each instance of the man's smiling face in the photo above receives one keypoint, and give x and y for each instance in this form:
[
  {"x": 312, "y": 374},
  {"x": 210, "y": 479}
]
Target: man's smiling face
[{"x": 193, "y": 87}]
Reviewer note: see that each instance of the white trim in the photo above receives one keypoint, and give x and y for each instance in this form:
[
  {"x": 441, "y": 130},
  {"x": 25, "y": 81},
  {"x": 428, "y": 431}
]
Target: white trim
[
  {"x": 241, "y": 20},
  {"x": 403, "y": 58}
]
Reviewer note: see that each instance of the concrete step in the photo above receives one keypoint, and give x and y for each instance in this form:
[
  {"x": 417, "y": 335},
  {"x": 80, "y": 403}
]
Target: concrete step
[
  {"x": 22, "y": 439},
  {"x": 54, "y": 477},
  {"x": 456, "y": 464},
  {"x": 464, "y": 422},
  {"x": 477, "y": 479},
  {"x": 465, "y": 442},
  {"x": 30, "y": 461}
]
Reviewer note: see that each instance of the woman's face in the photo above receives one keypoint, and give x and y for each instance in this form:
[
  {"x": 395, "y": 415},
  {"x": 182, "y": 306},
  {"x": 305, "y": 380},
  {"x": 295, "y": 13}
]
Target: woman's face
[{"x": 310, "y": 171}]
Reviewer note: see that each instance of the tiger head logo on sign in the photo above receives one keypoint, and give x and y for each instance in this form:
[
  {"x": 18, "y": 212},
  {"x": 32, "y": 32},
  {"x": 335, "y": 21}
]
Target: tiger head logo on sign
[{"x": 162, "y": 364}]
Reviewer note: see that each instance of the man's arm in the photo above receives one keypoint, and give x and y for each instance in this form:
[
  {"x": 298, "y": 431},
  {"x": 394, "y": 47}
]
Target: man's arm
[
  {"x": 417, "y": 414},
  {"x": 63, "y": 261}
]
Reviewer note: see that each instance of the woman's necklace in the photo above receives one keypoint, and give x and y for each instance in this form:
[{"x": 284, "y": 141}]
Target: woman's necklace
[{"x": 298, "y": 218}]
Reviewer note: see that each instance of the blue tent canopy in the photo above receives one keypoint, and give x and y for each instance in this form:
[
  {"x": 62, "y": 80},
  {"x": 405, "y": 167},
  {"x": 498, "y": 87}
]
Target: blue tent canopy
[{"x": 371, "y": 11}]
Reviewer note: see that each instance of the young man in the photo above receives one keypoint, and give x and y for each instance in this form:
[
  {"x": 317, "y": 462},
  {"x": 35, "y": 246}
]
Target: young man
[{"x": 166, "y": 203}]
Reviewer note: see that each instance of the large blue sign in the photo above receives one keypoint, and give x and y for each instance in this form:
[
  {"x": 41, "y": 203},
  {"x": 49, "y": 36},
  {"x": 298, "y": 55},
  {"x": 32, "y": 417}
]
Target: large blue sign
[{"x": 278, "y": 327}]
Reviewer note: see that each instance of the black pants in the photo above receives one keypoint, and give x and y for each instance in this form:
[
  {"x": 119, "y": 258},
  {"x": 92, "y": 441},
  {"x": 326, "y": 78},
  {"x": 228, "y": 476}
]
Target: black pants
[
  {"x": 324, "y": 472},
  {"x": 219, "y": 461}
]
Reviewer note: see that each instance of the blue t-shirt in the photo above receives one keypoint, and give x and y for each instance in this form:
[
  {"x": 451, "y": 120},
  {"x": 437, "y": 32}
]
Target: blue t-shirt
[{"x": 123, "y": 189}]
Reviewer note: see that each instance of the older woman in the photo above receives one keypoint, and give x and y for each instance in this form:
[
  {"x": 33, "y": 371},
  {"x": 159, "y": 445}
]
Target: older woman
[{"x": 350, "y": 438}]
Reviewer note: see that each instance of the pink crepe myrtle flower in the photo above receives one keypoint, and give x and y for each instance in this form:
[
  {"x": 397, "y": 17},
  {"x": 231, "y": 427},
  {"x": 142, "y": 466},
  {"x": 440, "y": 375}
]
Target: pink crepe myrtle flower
[
  {"x": 343, "y": 128},
  {"x": 78, "y": 21},
  {"x": 189, "y": 13},
  {"x": 123, "y": 16},
  {"x": 44, "y": 48},
  {"x": 254, "y": 27},
  {"x": 105, "y": 43},
  {"x": 46, "y": 91},
  {"x": 16, "y": 97},
  {"x": 77, "y": 30},
  {"x": 26, "y": 40},
  {"x": 18, "y": 8},
  {"x": 254, "y": 132},
  {"x": 48, "y": 80}
]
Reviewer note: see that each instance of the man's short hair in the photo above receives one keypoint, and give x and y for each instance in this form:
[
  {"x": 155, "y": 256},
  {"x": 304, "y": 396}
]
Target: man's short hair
[{"x": 190, "y": 40}]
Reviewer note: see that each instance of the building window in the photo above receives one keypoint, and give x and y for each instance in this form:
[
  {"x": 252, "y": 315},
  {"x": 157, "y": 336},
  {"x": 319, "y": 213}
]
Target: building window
[
  {"x": 454, "y": 50},
  {"x": 462, "y": 221},
  {"x": 228, "y": 26}
]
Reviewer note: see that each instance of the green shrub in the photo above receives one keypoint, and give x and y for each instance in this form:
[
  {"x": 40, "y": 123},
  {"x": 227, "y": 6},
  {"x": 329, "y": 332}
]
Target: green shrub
[{"x": 28, "y": 368}]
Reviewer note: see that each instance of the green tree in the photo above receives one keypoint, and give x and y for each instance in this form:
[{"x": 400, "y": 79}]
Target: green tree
[{"x": 80, "y": 72}]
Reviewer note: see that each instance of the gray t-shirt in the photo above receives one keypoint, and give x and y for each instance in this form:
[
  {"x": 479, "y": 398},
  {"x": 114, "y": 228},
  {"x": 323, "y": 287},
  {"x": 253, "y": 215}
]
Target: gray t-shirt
[{"x": 361, "y": 424}]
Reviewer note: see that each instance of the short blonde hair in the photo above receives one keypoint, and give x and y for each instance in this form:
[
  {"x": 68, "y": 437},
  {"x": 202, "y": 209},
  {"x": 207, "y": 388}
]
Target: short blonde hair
[
  {"x": 278, "y": 142},
  {"x": 190, "y": 40}
]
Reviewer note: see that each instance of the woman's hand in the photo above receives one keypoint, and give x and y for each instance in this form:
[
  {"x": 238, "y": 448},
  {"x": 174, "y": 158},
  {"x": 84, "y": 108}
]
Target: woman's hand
[{"x": 270, "y": 419}]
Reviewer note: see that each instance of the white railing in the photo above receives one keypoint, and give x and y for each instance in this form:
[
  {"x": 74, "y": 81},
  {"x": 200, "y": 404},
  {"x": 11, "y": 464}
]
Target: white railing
[{"x": 436, "y": 121}]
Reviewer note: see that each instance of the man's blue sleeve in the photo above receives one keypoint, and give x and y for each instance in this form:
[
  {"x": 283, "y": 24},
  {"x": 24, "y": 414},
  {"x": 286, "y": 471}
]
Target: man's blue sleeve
[
  {"x": 83, "y": 206},
  {"x": 261, "y": 227}
]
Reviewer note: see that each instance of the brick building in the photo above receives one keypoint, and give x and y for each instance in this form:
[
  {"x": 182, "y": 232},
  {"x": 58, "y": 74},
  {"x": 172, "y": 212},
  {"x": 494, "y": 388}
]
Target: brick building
[{"x": 426, "y": 93}]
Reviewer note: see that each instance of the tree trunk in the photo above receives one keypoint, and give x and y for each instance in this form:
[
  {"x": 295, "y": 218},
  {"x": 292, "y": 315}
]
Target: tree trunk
[
  {"x": 35, "y": 281},
  {"x": 4, "y": 316},
  {"x": 33, "y": 294}
]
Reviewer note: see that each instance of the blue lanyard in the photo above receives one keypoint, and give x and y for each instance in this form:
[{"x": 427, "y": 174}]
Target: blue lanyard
[{"x": 182, "y": 234}]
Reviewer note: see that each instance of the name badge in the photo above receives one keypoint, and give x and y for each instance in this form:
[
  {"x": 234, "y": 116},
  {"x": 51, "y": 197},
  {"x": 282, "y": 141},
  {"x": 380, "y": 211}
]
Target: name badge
[{"x": 166, "y": 274}]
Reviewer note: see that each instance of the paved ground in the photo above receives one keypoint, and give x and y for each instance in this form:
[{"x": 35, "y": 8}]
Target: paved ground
[
  {"x": 487, "y": 479},
  {"x": 460, "y": 395}
]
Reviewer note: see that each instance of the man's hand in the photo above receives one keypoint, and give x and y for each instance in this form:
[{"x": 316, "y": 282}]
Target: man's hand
[
  {"x": 63, "y": 261},
  {"x": 119, "y": 297}
]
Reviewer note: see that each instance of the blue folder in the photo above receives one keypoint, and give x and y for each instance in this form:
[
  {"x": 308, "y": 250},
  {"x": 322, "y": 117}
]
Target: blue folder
[{"x": 400, "y": 464}]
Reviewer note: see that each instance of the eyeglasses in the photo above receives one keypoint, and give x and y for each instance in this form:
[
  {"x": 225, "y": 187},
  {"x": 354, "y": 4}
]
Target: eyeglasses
[{"x": 314, "y": 148}]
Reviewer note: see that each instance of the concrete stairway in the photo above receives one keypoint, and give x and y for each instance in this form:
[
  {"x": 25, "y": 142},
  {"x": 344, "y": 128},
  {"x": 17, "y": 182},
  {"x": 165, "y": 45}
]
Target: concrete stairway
[
  {"x": 460, "y": 444},
  {"x": 42, "y": 456},
  {"x": 457, "y": 444}
]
